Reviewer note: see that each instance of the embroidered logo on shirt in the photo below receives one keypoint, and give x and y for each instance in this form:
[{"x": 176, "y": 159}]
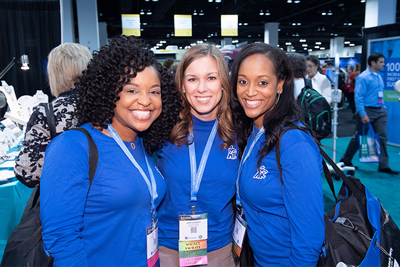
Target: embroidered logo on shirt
[
  {"x": 261, "y": 173},
  {"x": 232, "y": 153}
]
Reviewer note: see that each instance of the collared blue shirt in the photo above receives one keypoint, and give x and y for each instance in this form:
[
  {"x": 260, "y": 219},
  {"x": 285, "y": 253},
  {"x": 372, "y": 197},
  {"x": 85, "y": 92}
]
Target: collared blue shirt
[{"x": 366, "y": 92}]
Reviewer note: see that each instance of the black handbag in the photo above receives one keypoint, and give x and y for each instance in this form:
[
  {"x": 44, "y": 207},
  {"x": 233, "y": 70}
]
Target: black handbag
[
  {"x": 25, "y": 245},
  {"x": 359, "y": 231},
  {"x": 246, "y": 256}
]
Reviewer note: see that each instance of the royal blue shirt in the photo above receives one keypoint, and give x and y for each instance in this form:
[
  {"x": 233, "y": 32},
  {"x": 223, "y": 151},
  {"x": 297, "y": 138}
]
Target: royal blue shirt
[
  {"x": 285, "y": 222},
  {"x": 366, "y": 92},
  {"x": 109, "y": 229},
  {"x": 216, "y": 190}
]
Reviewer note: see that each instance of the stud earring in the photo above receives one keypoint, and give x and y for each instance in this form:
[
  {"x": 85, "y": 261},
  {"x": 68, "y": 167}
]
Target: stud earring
[{"x": 184, "y": 91}]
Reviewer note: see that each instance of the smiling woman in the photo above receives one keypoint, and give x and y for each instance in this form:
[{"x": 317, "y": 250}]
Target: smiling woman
[{"x": 128, "y": 103}]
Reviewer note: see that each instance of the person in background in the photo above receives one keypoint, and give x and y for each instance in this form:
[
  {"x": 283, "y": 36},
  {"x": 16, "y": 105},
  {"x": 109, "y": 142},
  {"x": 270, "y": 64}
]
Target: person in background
[
  {"x": 299, "y": 65},
  {"x": 370, "y": 106},
  {"x": 65, "y": 64},
  {"x": 203, "y": 82},
  {"x": 352, "y": 81},
  {"x": 322, "y": 82},
  {"x": 173, "y": 68},
  {"x": 128, "y": 103},
  {"x": 168, "y": 62},
  {"x": 267, "y": 118}
]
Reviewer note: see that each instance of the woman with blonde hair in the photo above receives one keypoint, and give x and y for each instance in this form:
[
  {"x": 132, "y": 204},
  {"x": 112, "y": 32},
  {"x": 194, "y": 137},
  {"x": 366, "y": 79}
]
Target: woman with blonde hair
[
  {"x": 199, "y": 165},
  {"x": 66, "y": 63}
]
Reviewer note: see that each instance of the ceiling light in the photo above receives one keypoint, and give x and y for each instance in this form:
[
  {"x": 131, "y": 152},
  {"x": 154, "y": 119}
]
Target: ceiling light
[
  {"x": 279, "y": 30},
  {"x": 267, "y": 13},
  {"x": 323, "y": 13},
  {"x": 281, "y": 48},
  {"x": 210, "y": 1},
  {"x": 330, "y": 13},
  {"x": 249, "y": 35},
  {"x": 218, "y": 46},
  {"x": 346, "y": 42},
  {"x": 317, "y": 43},
  {"x": 172, "y": 34},
  {"x": 261, "y": 12},
  {"x": 180, "y": 47},
  {"x": 297, "y": 35},
  {"x": 293, "y": 24},
  {"x": 141, "y": 12},
  {"x": 245, "y": 24},
  {"x": 304, "y": 45},
  {"x": 149, "y": 12},
  {"x": 323, "y": 29},
  {"x": 310, "y": 49},
  {"x": 345, "y": 24},
  {"x": 288, "y": 43},
  {"x": 336, "y": 34},
  {"x": 194, "y": 12},
  {"x": 305, "y": 48},
  {"x": 141, "y": 30},
  {"x": 362, "y": 1},
  {"x": 319, "y": 29},
  {"x": 316, "y": 47},
  {"x": 322, "y": 48},
  {"x": 217, "y": 1},
  {"x": 349, "y": 23},
  {"x": 240, "y": 24},
  {"x": 331, "y": 33},
  {"x": 201, "y": 12},
  {"x": 302, "y": 40},
  {"x": 298, "y": 23},
  {"x": 144, "y": 23},
  {"x": 351, "y": 44},
  {"x": 297, "y": 1},
  {"x": 293, "y": 50},
  {"x": 289, "y": 1},
  {"x": 146, "y": 0},
  {"x": 155, "y": 0}
]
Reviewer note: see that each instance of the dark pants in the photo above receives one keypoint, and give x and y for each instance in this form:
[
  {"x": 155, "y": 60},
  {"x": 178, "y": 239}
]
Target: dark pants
[
  {"x": 378, "y": 119},
  {"x": 350, "y": 98}
]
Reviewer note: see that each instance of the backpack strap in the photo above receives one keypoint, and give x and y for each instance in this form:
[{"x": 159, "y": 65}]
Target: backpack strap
[
  {"x": 50, "y": 119},
  {"x": 307, "y": 83}
]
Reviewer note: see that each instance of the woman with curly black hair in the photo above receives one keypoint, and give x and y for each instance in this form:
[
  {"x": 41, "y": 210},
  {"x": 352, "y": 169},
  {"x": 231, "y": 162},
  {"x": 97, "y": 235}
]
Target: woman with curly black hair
[
  {"x": 200, "y": 165},
  {"x": 128, "y": 103},
  {"x": 280, "y": 186}
]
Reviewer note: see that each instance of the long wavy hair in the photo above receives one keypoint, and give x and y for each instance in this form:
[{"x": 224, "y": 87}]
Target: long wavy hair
[
  {"x": 110, "y": 69},
  {"x": 286, "y": 113},
  {"x": 183, "y": 129}
]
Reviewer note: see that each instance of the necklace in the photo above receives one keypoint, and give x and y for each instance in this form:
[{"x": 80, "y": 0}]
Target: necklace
[{"x": 133, "y": 145}]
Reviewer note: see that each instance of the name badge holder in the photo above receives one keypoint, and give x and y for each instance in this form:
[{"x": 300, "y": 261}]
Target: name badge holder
[
  {"x": 153, "y": 259},
  {"x": 240, "y": 228},
  {"x": 380, "y": 97},
  {"x": 193, "y": 229}
]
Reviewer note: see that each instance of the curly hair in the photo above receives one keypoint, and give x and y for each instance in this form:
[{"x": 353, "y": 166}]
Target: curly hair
[
  {"x": 286, "y": 113},
  {"x": 225, "y": 124},
  {"x": 112, "y": 68}
]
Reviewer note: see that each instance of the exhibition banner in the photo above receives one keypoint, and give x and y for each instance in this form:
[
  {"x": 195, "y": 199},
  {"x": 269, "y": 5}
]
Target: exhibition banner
[
  {"x": 183, "y": 25},
  {"x": 390, "y": 48},
  {"x": 130, "y": 24},
  {"x": 229, "y": 25}
]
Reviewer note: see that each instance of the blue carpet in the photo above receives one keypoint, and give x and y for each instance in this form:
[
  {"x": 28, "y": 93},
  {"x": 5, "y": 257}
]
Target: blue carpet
[{"x": 383, "y": 186}]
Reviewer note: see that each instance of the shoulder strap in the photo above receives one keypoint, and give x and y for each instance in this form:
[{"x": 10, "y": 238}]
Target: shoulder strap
[
  {"x": 50, "y": 119},
  {"x": 308, "y": 82}
]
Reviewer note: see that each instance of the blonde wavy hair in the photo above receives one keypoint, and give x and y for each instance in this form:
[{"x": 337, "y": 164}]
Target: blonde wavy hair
[
  {"x": 182, "y": 129},
  {"x": 66, "y": 63}
]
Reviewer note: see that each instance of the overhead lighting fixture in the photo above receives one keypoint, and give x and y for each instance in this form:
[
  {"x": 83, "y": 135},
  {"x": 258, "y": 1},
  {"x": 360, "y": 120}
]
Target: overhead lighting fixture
[
  {"x": 155, "y": 0},
  {"x": 298, "y": 23},
  {"x": 336, "y": 34},
  {"x": 210, "y": 1},
  {"x": 144, "y": 23},
  {"x": 249, "y": 36},
  {"x": 288, "y": 43},
  {"x": 346, "y": 42},
  {"x": 322, "y": 48},
  {"x": 323, "y": 29},
  {"x": 362, "y": 1},
  {"x": 305, "y": 48},
  {"x": 245, "y": 24},
  {"x": 261, "y": 12},
  {"x": 201, "y": 12},
  {"x": 149, "y": 12},
  {"x": 345, "y": 24},
  {"x": 194, "y": 12},
  {"x": 330, "y": 13},
  {"x": 141, "y": 12},
  {"x": 351, "y": 44},
  {"x": 302, "y": 40},
  {"x": 240, "y": 24},
  {"x": 316, "y": 47},
  {"x": 293, "y": 50},
  {"x": 318, "y": 43},
  {"x": 304, "y": 45},
  {"x": 332, "y": 33},
  {"x": 217, "y": 1},
  {"x": 218, "y": 46},
  {"x": 24, "y": 62},
  {"x": 297, "y": 1},
  {"x": 267, "y": 13},
  {"x": 319, "y": 29},
  {"x": 323, "y": 13},
  {"x": 293, "y": 24},
  {"x": 310, "y": 49},
  {"x": 289, "y": 1},
  {"x": 349, "y": 23}
]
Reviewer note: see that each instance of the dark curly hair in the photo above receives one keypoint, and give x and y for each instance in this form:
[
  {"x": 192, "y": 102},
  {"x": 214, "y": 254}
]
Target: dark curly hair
[
  {"x": 110, "y": 69},
  {"x": 286, "y": 113}
]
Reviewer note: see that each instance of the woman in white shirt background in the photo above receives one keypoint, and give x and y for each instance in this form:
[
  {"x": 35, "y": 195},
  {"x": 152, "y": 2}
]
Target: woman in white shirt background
[{"x": 322, "y": 82}]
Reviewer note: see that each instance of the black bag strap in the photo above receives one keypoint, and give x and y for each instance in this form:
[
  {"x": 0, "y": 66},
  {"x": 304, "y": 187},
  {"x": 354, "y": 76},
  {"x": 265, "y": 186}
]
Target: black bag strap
[
  {"x": 353, "y": 188},
  {"x": 328, "y": 178},
  {"x": 50, "y": 119},
  {"x": 307, "y": 82},
  {"x": 29, "y": 244}
]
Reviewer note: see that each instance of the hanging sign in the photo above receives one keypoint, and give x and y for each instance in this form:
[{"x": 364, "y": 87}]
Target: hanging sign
[
  {"x": 229, "y": 25},
  {"x": 183, "y": 25},
  {"x": 130, "y": 24}
]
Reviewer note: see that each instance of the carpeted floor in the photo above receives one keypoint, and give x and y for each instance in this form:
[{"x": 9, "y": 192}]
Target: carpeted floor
[{"x": 383, "y": 186}]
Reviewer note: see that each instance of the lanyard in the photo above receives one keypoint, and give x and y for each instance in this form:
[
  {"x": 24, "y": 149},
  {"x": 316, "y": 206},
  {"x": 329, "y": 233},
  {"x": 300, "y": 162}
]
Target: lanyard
[
  {"x": 246, "y": 156},
  {"x": 150, "y": 185},
  {"x": 197, "y": 175}
]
